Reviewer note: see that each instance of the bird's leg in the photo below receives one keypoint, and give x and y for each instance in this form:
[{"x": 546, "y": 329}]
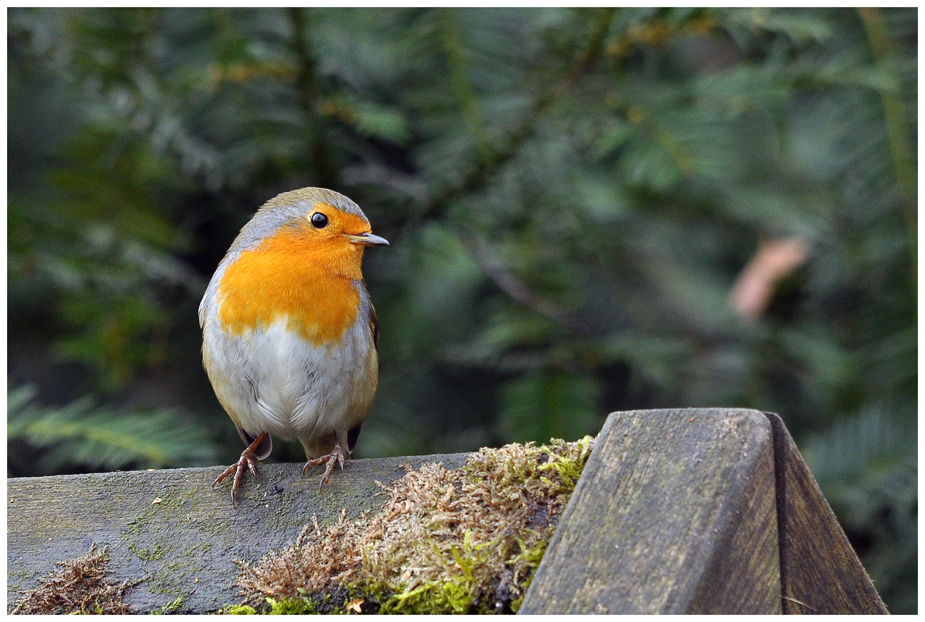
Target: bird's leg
[
  {"x": 248, "y": 460},
  {"x": 336, "y": 455}
]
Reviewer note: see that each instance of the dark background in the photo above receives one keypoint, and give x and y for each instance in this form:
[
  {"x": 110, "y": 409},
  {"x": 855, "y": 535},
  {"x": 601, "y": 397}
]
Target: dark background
[{"x": 589, "y": 211}]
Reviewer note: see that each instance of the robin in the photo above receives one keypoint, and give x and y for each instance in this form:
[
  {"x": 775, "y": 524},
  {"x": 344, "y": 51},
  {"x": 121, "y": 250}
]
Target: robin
[{"x": 289, "y": 334}]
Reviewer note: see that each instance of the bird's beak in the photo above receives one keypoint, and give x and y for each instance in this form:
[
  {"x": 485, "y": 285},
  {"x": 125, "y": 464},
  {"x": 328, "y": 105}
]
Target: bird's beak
[{"x": 367, "y": 239}]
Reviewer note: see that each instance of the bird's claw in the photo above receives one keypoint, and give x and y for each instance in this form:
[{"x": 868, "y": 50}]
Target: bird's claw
[
  {"x": 336, "y": 456},
  {"x": 247, "y": 461}
]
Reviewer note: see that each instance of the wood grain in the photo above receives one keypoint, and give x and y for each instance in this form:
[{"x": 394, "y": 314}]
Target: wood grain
[
  {"x": 674, "y": 513},
  {"x": 820, "y": 572},
  {"x": 677, "y": 511},
  {"x": 185, "y": 543}
]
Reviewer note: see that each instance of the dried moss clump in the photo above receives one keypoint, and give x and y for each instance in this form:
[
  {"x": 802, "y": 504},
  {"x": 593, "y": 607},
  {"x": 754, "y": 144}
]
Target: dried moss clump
[
  {"x": 79, "y": 586},
  {"x": 464, "y": 540}
]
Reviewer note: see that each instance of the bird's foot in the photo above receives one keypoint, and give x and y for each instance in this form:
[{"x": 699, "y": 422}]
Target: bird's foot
[
  {"x": 248, "y": 460},
  {"x": 336, "y": 456}
]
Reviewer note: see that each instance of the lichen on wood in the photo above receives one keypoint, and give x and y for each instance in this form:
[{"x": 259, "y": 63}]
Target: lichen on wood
[{"x": 464, "y": 540}]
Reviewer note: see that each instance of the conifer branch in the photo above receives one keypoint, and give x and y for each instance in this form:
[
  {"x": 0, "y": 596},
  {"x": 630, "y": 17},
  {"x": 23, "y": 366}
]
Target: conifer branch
[
  {"x": 309, "y": 95},
  {"x": 493, "y": 160}
]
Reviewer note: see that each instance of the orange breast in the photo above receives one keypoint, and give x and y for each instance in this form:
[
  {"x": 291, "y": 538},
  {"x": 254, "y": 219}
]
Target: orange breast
[{"x": 289, "y": 276}]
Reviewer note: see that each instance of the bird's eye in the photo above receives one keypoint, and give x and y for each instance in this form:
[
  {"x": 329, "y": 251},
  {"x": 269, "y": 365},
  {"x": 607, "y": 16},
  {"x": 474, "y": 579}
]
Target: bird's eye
[{"x": 319, "y": 220}]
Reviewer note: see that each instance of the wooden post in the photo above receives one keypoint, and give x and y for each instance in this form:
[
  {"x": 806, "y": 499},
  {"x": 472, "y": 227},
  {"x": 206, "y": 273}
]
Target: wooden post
[
  {"x": 674, "y": 513},
  {"x": 820, "y": 572},
  {"x": 699, "y": 511},
  {"x": 677, "y": 511}
]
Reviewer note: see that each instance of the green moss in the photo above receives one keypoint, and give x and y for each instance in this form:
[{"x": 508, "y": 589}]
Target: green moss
[
  {"x": 432, "y": 599},
  {"x": 147, "y": 555},
  {"x": 463, "y": 541},
  {"x": 170, "y": 607},
  {"x": 457, "y": 595},
  {"x": 292, "y": 606},
  {"x": 568, "y": 468},
  {"x": 238, "y": 610},
  {"x": 315, "y": 604},
  {"x": 171, "y": 579}
]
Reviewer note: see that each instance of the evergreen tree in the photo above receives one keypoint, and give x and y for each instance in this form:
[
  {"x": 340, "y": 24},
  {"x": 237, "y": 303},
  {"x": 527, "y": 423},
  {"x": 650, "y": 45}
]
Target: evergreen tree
[{"x": 590, "y": 210}]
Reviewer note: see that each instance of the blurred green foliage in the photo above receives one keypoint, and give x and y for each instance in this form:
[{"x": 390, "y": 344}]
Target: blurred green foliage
[
  {"x": 570, "y": 196},
  {"x": 101, "y": 439}
]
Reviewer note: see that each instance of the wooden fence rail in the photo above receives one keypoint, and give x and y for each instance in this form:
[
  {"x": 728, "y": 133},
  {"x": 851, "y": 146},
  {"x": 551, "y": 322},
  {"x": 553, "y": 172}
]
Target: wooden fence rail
[{"x": 677, "y": 511}]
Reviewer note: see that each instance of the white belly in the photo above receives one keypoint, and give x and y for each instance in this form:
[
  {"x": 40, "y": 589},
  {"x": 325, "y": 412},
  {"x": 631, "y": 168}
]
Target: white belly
[{"x": 283, "y": 385}]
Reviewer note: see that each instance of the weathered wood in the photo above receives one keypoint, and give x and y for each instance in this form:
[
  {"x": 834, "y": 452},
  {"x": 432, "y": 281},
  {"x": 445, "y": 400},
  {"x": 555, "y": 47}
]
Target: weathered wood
[
  {"x": 820, "y": 572},
  {"x": 170, "y": 529},
  {"x": 677, "y": 511},
  {"x": 674, "y": 513}
]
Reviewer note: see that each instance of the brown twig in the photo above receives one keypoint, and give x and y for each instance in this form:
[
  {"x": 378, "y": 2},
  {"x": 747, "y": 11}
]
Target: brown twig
[
  {"x": 493, "y": 159},
  {"x": 308, "y": 88},
  {"x": 894, "y": 112},
  {"x": 515, "y": 288}
]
